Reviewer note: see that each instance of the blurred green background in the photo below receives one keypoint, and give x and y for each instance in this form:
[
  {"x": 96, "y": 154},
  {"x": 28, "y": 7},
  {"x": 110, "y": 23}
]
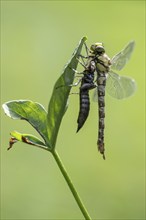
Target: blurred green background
[{"x": 38, "y": 38}]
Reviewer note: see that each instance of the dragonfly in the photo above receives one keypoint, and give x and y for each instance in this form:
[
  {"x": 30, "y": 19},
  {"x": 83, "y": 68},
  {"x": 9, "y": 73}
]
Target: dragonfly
[{"x": 98, "y": 65}]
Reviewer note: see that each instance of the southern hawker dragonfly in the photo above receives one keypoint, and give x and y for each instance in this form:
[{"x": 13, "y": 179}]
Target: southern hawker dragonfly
[{"x": 99, "y": 73}]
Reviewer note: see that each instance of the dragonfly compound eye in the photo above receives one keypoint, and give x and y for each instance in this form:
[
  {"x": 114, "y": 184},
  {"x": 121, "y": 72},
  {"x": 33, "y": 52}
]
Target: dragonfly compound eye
[{"x": 97, "y": 48}]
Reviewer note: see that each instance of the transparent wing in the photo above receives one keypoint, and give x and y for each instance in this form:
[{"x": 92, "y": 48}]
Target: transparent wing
[
  {"x": 120, "y": 87},
  {"x": 95, "y": 96},
  {"x": 120, "y": 59}
]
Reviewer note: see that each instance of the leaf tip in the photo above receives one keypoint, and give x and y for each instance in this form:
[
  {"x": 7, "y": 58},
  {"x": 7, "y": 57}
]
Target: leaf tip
[
  {"x": 11, "y": 142},
  {"x": 85, "y": 38}
]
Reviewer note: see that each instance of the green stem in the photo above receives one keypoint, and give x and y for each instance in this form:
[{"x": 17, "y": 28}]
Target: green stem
[{"x": 71, "y": 186}]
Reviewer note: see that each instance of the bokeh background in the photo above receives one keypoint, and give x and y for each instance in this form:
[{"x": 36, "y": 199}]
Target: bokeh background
[{"x": 38, "y": 38}]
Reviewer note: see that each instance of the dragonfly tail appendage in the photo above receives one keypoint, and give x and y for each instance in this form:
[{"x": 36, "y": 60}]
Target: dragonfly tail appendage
[{"x": 101, "y": 148}]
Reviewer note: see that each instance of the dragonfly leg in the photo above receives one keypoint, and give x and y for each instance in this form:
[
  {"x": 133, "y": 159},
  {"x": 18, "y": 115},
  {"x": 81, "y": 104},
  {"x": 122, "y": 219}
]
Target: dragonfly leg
[
  {"x": 77, "y": 71},
  {"x": 77, "y": 83},
  {"x": 87, "y": 50},
  {"x": 81, "y": 63},
  {"x": 83, "y": 57},
  {"x": 71, "y": 85}
]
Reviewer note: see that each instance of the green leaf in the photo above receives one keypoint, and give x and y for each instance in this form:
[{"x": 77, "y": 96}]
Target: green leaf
[
  {"x": 30, "y": 111},
  {"x": 26, "y": 138},
  {"x": 59, "y": 98},
  {"x": 47, "y": 125}
]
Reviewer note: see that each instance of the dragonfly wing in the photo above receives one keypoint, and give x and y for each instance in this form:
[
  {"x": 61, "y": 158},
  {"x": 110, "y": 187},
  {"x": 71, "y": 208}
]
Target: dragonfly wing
[
  {"x": 120, "y": 59},
  {"x": 120, "y": 87},
  {"x": 95, "y": 95}
]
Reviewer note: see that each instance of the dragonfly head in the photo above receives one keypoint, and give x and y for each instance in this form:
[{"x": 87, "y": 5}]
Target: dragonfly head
[
  {"x": 101, "y": 58},
  {"x": 97, "y": 49}
]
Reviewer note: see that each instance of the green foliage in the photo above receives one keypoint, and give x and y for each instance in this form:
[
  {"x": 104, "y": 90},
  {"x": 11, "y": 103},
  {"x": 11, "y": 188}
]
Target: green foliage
[
  {"x": 59, "y": 99},
  {"x": 30, "y": 111},
  {"x": 26, "y": 138},
  {"x": 46, "y": 124}
]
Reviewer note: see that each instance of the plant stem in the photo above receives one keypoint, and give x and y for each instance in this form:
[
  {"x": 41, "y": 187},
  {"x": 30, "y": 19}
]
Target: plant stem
[{"x": 71, "y": 186}]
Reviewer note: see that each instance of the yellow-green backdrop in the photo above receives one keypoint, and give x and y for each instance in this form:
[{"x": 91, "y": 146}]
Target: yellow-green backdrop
[{"x": 38, "y": 38}]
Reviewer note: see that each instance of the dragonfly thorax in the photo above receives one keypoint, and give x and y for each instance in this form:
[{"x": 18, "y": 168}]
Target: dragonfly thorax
[{"x": 103, "y": 63}]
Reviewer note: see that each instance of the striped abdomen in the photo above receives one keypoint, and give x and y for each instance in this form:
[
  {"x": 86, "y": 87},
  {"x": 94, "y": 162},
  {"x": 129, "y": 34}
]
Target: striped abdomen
[
  {"x": 101, "y": 81},
  {"x": 84, "y": 108},
  {"x": 86, "y": 85}
]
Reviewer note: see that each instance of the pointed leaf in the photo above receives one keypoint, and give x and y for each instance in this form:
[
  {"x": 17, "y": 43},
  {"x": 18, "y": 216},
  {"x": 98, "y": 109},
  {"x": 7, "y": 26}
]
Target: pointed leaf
[
  {"x": 30, "y": 111},
  {"x": 58, "y": 102}
]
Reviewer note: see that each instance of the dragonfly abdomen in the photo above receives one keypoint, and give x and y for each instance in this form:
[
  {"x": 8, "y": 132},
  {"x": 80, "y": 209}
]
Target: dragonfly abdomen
[
  {"x": 86, "y": 85},
  {"x": 101, "y": 81},
  {"x": 84, "y": 108}
]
